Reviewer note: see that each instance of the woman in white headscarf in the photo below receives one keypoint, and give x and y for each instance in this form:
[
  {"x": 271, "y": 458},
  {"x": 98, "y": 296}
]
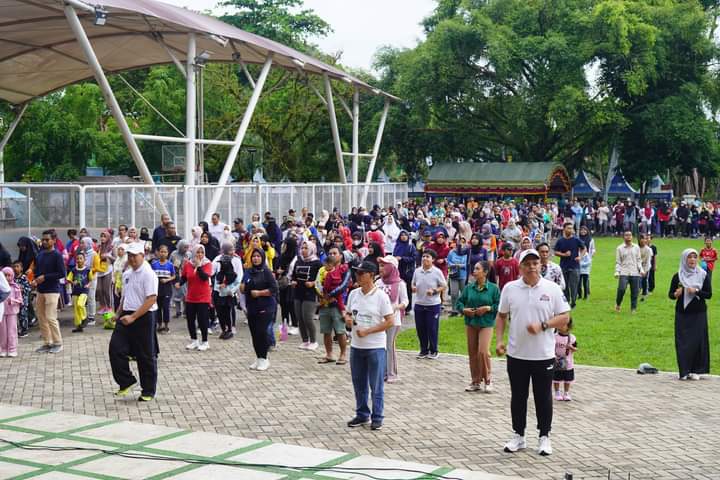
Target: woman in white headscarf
[
  {"x": 690, "y": 287},
  {"x": 392, "y": 232}
]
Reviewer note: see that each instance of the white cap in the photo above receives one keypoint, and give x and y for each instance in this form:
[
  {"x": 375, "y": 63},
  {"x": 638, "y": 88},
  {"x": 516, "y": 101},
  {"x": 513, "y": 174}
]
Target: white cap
[
  {"x": 135, "y": 248},
  {"x": 389, "y": 259},
  {"x": 529, "y": 251}
]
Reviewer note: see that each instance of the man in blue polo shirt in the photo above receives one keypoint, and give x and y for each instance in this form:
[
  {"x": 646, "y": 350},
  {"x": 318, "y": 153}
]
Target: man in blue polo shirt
[{"x": 568, "y": 248}]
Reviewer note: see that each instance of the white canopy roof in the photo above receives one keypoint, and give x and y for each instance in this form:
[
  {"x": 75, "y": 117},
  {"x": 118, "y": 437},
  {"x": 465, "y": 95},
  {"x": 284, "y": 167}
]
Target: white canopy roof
[{"x": 39, "y": 53}]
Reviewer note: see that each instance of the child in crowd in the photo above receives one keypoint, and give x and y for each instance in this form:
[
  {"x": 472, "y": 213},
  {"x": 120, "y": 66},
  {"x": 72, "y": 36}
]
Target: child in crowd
[
  {"x": 585, "y": 267},
  {"x": 507, "y": 267},
  {"x": 26, "y": 289},
  {"x": 709, "y": 256},
  {"x": 118, "y": 269},
  {"x": 646, "y": 254},
  {"x": 565, "y": 347},
  {"x": 80, "y": 277},
  {"x": 8, "y": 323},
  {"x": 165, "y": 272}
]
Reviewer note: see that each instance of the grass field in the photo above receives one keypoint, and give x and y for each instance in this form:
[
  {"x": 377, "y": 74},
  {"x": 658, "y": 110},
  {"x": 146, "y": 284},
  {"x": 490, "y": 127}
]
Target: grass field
[{"x": 607, "y": 338}]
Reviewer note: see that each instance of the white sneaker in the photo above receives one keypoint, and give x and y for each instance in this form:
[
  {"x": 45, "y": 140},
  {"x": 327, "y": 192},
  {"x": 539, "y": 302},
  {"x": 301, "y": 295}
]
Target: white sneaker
[
  {"x": 263, "y": 364},
  {"x": 192, "y": 345},
  {"x": 312, "y": 346},
  {"x": 692, "y": 376},
  {"x": 293, "y": 331},
  {"x": 14, "y": 354},
  {"x": 544, "y": 446},
  {"x": 517, "y": 442},
  {"x": 203, "y": 346},
  {"x": 489, "y": 388},
  {"x": 3, "y": 354},
  {"x": 234, "y": 330},
  {"x": 304, "y": 345},
  {"x": 254, "y": 364}
]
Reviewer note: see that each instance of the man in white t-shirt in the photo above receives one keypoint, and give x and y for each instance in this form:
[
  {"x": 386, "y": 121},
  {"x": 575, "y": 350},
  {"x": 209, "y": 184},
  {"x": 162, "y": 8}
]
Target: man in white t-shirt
[
  {"x": 216, "y": 227},
  {"x": 369, "y": 313},
  {"x": 134, "y": 332},
  {"x": 536, "y": 307}
]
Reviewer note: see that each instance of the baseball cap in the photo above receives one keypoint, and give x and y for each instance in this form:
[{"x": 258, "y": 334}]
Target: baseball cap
[
  {"x": 135, "y": 248},
  {"x": 367, "y": 266},
  {"x": 238, "y": 220},
  {"x": 527, "y": 253},
  {"x": 389, "y": 259}
]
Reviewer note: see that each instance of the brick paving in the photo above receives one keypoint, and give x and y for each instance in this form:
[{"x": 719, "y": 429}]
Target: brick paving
[{"x": 651, "y": 427}]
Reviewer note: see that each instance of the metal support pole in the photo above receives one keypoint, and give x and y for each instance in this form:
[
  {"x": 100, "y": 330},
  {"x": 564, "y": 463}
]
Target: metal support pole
[
  {"x": 334, "y": 128},
  {"x": 201, "y": 122},
  {"x": 29, "y": 211},
  {"x": 230, "y": 215},
  {"x": 132, "y": 206},
  {"x": 242, "y": 130},
  {"x": 259, "y": 199},
  {"x": 376, "y": 150},
  {"x": 6, "y": 139},
  {"x": 108, "y": 94},
  {"x": 190, "y": 129},
  {"x": 355, "y": 145},
  {"x": 82, "y": 205},
  {"x": 312, "y": 207}
]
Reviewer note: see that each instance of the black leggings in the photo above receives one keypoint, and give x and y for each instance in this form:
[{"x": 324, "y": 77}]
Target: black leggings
[
  {"x": 224, "y": 310},
  {"x": 541, "y": 373},
  {"x": 201, "y": 312},
  {"x": 584, "y": 286},
  {"x": 287, "y": 307},
  {"x": 258, "y": 323},
  {"x": 163, "y": 303}
]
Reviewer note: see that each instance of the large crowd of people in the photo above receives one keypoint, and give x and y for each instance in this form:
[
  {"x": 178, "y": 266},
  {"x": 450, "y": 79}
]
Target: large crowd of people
[{"x": 357, "y": 276}]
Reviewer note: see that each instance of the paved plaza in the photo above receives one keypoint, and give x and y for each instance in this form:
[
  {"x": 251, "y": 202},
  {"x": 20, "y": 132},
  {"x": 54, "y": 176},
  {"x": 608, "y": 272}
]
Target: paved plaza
[{"x": 651, "y": 427}]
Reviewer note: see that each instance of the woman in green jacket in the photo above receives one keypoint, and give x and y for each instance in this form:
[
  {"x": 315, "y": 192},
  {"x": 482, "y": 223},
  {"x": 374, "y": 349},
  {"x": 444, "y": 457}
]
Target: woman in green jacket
[{"x": 479, "y": 303}]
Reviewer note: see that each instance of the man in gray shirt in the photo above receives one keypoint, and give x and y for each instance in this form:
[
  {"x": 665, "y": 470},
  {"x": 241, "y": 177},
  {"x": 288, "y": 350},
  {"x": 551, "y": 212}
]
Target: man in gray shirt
[{"x": 427, "y": 284}]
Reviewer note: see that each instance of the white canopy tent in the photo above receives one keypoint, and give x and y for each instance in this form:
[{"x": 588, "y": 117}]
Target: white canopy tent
[{"x": 46, "y": 45}]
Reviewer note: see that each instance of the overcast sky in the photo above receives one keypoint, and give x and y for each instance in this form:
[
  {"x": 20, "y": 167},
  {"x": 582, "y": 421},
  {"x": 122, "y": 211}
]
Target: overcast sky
[{"x": 360, "y": 27}]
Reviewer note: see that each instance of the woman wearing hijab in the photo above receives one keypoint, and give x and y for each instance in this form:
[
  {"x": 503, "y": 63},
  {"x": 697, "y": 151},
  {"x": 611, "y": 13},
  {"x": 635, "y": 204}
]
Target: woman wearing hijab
[
  {"x": 261, "y": 290},
  {"x": 587, "y": 239},
  {"x": 394, "y": 286},
  {"x": 392, "y": 232},
  {"x": 489, "y": 243},
  {"x": 286, "y": 263},
  {"x": 27, "y": 252},
  {"x": 145, "y": 235},
  {"x": 103, "y": 268},
  {"x": 196, "y": 274},
  {"x": 212, "y": 250},
  {"x": 690, "y": 287},
  {"x": 195, "y": 240},
  {"x": 178, "y": 258},
  {"x": 375, "y": 251},
  {"x": 228, "y": 272},
  {"x": 406, "y": 255},
  {"x": 303, "y": 282},
  {"x": 92, "y": 261}
]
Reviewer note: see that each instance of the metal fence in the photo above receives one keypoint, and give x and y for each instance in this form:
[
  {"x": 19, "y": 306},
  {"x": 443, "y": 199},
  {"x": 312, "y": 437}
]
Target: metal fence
[{"x": 28, "y": 209}]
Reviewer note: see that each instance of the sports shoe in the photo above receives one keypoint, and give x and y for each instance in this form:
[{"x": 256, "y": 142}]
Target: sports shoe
[
  {"x": 192, "y": 345},
  {"x": 358, "y": 422},
  {"x": 203, "y": 346},
  {"x": 43, "y": 349},
  {"x": 3, "y": 354},
  {"x": 263, "y": 364},
  {"x": 233, "y": 331},
  {"x": 683, "y": 378},
  {"x": 145, "y": 398},
  {"x": 124, "y": 392},
  {"x": 517, "y": 442},
  {"x": 558, "y": 395},
  {"x": 23, "y": 334},
  {"x": 421, "y": 355},
  {"x": 488, "y": 387},
  {"x": 77, "y": 329},
  {"x": 312, "y": 346},
  {"x": 473, "y": 387},
  {"x": 254, "y": 364},
  {"x": 567, "y": 397},
  {"x": 91, "y": 321},
  {"x": 56, "y": 349},
  {"x": 304, "y": 345},
  {"x": 12, "y": 354},
  {"x": 544, "y": 446},
  {"x": 433, "y": 356},
  {"x": 293, "y": 331},
  {"x": 376, "y": 425},
  {"x": 694, "y": 376}
]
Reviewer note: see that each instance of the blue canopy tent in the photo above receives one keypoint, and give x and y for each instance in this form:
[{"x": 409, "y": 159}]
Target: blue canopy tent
[
  {"x": 619, "y": 187},
  {"x": 584, "y": 186},
  {"x": 657, "y": 190}
]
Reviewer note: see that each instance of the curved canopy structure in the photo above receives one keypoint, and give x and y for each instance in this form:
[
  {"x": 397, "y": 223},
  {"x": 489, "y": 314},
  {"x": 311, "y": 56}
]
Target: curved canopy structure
[{"x": 39, "y": 52}]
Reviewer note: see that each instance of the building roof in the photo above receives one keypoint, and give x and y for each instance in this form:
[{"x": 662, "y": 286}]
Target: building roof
[
  {"x": 620, "y": 186},
  {"x": 585, "y": 185},
  {"x": 39, "y": 53},
  {"x": 498, "y": 178}
]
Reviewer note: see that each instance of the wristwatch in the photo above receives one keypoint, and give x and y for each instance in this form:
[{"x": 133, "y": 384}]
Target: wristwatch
[{"x": 544, "y": 325}]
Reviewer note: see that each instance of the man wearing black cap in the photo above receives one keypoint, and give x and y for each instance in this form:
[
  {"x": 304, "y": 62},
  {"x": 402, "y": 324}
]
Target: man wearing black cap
[
  {"x": 537, "y": 306},
  {"x": 369, "y": 313},
  {"x": 135, "y": 329}
]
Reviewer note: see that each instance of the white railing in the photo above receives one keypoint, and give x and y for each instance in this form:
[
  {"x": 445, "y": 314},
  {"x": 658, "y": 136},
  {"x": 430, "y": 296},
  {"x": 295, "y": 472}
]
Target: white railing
[{"x": 30, "y": 208}]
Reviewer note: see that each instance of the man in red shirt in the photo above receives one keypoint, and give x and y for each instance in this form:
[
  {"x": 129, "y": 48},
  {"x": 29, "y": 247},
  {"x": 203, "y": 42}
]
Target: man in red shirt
[
  {"x": 709, "y": 256},
  {"x": 507, "y": 267}
]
